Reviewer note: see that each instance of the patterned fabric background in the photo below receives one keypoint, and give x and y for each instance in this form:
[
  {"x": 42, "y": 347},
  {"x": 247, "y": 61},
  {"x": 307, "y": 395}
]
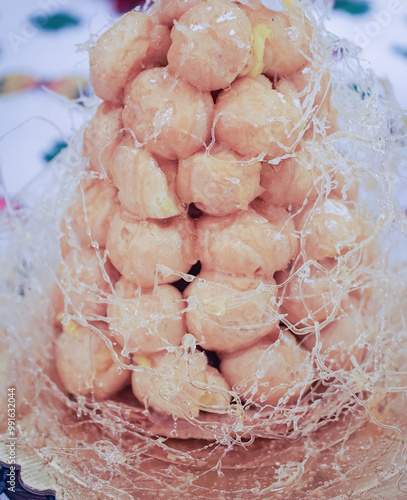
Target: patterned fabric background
[{"x": 42, "y": 65}]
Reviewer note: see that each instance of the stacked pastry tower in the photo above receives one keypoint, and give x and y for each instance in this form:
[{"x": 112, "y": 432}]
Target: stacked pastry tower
[{"x": 212, "y": 217}]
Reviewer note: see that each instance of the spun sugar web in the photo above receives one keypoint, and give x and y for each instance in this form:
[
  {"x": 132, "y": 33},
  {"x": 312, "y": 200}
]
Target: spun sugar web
[{"x": 114, "y": 448}]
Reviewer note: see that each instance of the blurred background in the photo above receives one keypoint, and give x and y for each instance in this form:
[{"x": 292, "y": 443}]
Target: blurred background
[{"x": 44, "y": 67}]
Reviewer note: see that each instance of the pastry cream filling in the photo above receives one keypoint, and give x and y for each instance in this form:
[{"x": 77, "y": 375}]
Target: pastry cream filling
[
  {"x": 71, "y": 328},
  {"x": 142, "y": 361},
  {"x": 260, "y": 33}
]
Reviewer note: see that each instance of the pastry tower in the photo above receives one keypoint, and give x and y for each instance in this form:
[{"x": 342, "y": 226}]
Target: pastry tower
[{"x": 205, "y": 256}]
